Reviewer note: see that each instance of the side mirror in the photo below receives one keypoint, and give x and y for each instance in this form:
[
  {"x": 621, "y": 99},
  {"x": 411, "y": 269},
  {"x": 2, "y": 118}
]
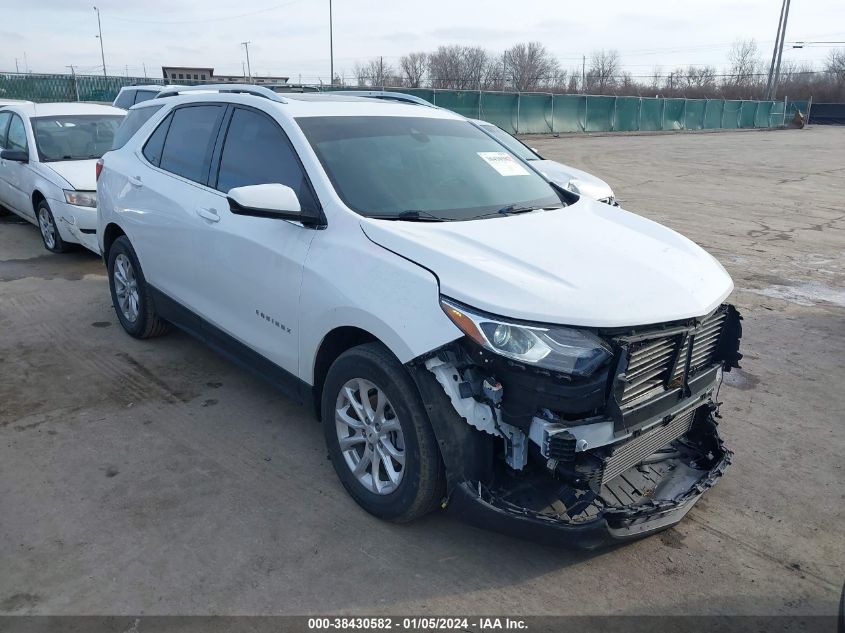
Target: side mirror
[
  {"x": 19, "y": 156},
  {"x": 265, "y": 201}
]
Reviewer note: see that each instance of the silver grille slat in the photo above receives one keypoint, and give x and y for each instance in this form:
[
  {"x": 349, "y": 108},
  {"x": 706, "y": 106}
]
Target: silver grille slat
[
  {"x": 650, "y": 363},
  {"x": 636, "y": 450}
]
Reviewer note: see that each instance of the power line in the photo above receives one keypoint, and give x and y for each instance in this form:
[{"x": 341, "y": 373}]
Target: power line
[{"x": 205, "y": 20}]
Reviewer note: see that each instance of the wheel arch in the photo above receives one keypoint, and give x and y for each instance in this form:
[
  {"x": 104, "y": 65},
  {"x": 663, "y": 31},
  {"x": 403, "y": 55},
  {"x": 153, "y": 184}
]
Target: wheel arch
[
  {"x": 37, "y": 198},
  {"x": 335, "y": 343},
  {"x": 110, "y": 234}
]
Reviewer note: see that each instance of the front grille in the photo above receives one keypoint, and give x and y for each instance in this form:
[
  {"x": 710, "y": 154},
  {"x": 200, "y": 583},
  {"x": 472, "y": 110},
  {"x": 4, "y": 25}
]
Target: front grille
[
  {"x": 635, "y": 451},
  {"x": 650, "y": 362},
  {"x": 704, "y": 344}
]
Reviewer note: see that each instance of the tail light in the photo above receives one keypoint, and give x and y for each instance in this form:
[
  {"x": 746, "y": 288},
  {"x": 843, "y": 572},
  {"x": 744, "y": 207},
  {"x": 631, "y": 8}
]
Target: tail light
[{"x": 99, "y": 168}]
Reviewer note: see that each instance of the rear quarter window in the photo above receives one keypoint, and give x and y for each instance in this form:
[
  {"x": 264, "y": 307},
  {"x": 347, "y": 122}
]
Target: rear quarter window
[
  {"x": 131, "y": 123},
  {"x": 125, "y": 99}
]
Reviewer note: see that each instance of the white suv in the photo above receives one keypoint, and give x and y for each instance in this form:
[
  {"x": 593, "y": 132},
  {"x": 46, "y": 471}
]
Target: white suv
[{"x": 473, "y": 337}]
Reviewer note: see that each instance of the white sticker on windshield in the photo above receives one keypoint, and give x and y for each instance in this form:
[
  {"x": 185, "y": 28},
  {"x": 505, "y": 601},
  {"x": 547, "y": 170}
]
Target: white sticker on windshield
[{"x": 504, "y": 163}]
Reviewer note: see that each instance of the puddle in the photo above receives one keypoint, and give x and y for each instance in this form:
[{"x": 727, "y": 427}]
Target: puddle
[
  {"x": 807, "y": 293},
  {"x": 71, "y": 266}
]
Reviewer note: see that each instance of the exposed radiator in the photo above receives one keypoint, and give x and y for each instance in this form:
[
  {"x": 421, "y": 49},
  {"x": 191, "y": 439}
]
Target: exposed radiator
[{"x": 636, "y": 450}]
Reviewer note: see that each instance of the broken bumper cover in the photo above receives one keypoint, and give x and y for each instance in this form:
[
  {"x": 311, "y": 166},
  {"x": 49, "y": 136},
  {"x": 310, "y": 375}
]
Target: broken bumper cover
[{"x": 674, "y": 496}]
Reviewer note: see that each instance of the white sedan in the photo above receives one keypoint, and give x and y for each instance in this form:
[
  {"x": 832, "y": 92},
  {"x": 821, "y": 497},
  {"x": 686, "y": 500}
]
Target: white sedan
[{"x": 48, "y": 167}]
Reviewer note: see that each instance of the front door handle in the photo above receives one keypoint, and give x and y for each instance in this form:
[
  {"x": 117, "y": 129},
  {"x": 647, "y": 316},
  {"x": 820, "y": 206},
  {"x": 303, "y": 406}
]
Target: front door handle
[
  {"x": 208, "y": 214},
  {"x": 135, "y": 181}
]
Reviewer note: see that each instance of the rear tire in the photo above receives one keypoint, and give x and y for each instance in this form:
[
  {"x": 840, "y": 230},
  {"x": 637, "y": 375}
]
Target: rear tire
[
  {"x": 50, "y": 236},
  {"x": 130, "y": 294},
  {"x": 371, "y": 404}
]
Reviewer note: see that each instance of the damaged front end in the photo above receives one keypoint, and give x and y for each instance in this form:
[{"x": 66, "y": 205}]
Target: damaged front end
[{"x": 612, "y": 436}]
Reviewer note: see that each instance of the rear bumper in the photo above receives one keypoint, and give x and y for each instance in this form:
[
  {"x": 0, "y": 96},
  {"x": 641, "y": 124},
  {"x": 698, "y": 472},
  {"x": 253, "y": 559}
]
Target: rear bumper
[{"x": 682, "y": 489}]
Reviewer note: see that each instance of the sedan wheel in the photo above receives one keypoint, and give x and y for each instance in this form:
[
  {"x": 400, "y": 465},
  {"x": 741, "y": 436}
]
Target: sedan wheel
[{"x": 48, "y": 229}]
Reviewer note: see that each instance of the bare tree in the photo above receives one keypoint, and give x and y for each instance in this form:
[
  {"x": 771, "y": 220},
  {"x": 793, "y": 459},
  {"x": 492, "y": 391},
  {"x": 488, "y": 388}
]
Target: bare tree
[
  {"x": 744, "y": 64},
  {"x": 376, "y": 73},
  {"x": 458, "y": 67},
  {"x": 834, "y": 65},
  {"x": 413, "y": 67},
  {"x": 530, "y": 66},
  {"x": 603, "y": 71}
]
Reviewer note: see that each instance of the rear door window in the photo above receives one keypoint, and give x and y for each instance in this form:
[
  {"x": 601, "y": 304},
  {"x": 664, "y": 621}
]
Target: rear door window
[
  {"x": 131, "y": 123},
  {"x": 257, "y": 152},
  {"x": 190, "y": 140},
  {"x": 4, "y": 123}
]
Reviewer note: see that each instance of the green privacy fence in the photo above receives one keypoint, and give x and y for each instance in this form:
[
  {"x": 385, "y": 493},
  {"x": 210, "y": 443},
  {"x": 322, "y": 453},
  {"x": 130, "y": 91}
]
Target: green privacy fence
[
  {"x": 523, "y": 113},
  {"x": 534, "y": 113}
]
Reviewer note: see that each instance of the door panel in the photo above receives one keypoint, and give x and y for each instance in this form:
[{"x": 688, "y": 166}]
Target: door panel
[{"x": 251, "y": 268}]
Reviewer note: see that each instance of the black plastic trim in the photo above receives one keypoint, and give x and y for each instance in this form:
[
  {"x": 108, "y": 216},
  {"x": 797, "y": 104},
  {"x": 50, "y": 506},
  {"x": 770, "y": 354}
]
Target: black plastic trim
[{"x": 228, "y": 346}]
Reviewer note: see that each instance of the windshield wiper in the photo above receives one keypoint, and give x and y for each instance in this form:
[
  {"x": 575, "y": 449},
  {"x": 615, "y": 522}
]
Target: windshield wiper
[
  {"x": 412, "y": 215},
  {"x": 512, "y": 209}
]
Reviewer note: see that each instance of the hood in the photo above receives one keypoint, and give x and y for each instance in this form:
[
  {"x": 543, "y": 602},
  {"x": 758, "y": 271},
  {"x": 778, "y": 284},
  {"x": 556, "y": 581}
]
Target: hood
[
  {"x": 589, "y": 264},
  {"x": 585, "y": 184},
  {"x": 81, "y": 174}
]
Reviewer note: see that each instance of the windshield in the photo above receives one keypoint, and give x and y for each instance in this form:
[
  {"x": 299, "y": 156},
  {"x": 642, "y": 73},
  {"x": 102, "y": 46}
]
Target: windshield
[
  {"x": 434, "y": 169},
  {"x": 76, "y": 137},
  {"x": 513, "y": 144}
]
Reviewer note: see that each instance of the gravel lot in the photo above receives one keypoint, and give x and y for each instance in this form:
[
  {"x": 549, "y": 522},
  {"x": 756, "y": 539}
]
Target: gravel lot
[{"x": 157, "y": 478}]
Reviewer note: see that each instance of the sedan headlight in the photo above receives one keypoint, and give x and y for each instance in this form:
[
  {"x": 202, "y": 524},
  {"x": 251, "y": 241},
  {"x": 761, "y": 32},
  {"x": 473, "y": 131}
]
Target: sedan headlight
[
  {"x": 81, "y": 198},
  {"x": 555, "y": 348}
]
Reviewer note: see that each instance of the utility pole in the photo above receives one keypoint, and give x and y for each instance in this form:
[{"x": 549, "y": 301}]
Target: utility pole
[
  {"x": 780, "y": 52},
  {"x": 248, "y": 67},
  {"x": 25, "y": 63},
  {"x": 583, "y": 73},
  {"x": 331, "y": 47},
  {"x": 144, "y": 66},
  {"x": 73, "y": 79},
  {"x": 17, "y": 69},
  {"x": 100, "y": 36},
  {"x": 777, "y": 53}
]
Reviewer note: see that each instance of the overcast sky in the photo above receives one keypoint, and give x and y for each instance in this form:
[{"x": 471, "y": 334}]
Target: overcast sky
[{"x": 291, "y": 37}]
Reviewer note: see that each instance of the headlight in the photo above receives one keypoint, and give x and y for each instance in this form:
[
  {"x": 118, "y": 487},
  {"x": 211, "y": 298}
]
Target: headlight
[
  {"x": 81, "y": 198},
  {"x": 555, "y": 348}
]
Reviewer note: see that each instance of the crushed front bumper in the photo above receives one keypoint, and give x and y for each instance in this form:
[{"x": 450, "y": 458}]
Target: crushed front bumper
[{"x": 675, "y": 493}]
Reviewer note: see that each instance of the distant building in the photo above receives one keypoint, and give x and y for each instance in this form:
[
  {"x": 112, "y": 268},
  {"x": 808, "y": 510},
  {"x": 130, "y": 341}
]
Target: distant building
[{"x": 191, "y": 74}]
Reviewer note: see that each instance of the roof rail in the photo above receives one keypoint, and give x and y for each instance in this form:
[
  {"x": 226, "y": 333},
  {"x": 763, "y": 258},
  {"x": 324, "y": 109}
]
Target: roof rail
[
  {"x": 257, "y": 91},
  {"x": 385, "y": 95}
]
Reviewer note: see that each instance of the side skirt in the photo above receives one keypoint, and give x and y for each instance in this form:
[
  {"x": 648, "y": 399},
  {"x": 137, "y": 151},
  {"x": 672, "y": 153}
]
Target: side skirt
[{"x": 226, "y": 345}]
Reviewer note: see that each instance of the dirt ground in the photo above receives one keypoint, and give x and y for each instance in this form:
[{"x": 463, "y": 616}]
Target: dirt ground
[{"x": 157, "y": 478}]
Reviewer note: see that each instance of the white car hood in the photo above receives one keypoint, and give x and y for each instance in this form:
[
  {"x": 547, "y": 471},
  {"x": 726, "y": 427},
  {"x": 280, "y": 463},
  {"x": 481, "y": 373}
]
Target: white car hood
[
  {"x": 589, "y": 264},
  {"x": 585, "y": 184},
  {"x": 81, "y": 174}
]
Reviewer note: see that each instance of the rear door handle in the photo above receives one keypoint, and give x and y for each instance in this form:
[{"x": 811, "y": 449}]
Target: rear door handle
[
  {"x": 208, "y": 214},
  {"x": 135, "y": 181}
]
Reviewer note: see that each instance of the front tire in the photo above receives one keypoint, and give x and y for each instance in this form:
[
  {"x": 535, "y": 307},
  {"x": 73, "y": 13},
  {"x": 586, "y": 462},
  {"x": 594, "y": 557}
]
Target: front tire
[
  {"x": 130, "y": 294},
  {"x": 53, "y": 242},
  {"x": 379, "y": 438}
]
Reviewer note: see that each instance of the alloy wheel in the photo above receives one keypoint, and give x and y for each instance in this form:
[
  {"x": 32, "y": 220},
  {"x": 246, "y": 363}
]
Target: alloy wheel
[
  {"x": 126, "y": 287},
  {"x": 370, "y": 436},
  {"x": 48, "y": 229}
]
